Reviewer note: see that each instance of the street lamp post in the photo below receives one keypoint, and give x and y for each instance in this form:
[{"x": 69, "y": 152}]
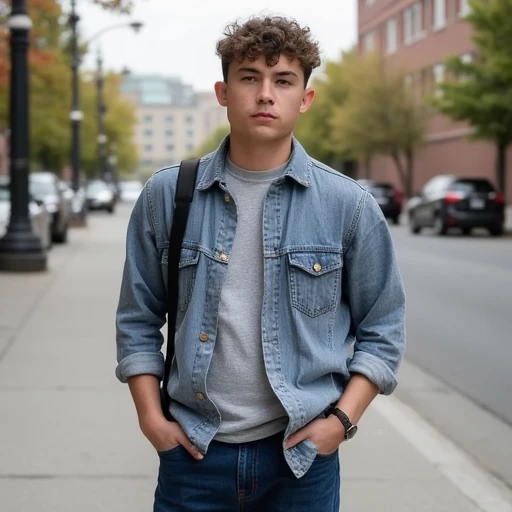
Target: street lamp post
[
  {"x": 102, "y": 138},
  {"x": 20, "y": 249},
  {"x": 76, "y": 114}
]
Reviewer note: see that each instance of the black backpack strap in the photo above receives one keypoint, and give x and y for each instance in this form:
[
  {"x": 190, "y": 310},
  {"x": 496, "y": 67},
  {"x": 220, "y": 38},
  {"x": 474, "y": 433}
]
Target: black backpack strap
[{"x": 183, "y": 197}]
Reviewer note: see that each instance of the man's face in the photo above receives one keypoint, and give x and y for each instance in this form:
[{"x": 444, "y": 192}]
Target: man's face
[{"x": 264, "y": 102}]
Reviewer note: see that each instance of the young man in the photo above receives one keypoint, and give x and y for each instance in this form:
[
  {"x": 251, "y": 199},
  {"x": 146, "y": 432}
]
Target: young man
[{"x": 291, "y": 306}]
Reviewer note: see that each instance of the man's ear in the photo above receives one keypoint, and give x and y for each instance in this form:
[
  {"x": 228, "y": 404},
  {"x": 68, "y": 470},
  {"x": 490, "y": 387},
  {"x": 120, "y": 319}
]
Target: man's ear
[
  {"x": 221, "y": 93},
  {"x": 307, "y": 100}
]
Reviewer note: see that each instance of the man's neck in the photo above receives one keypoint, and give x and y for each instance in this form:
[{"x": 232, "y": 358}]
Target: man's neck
[{"x": 259, "y": 157}]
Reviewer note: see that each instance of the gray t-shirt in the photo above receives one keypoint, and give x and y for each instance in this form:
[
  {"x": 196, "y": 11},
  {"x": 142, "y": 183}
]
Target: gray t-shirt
[{"x": 237, "y": 381}]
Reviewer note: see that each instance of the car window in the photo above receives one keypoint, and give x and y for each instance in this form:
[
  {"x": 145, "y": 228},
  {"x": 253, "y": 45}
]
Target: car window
[
  {"x": 469, "y": 186},
  {"x": 5, "y": 193},
  {"x": 41, "y": 188},
  {"x": 97, "y": 186}
]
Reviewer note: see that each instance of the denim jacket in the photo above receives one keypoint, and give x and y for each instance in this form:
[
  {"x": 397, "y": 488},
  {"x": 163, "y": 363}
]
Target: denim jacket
[{"x": 333, "y": 299}]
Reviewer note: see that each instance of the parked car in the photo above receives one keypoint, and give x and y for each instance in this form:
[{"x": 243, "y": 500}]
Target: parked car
[
  {"x": 130, "y": 190},
  {"x": 388, "y": 197},
  {"x": 40, "y": 219},
  {"x": 449, "y": 201},
  {"x": 99, "y": 196},
  {"x": 46, "y": 187}
]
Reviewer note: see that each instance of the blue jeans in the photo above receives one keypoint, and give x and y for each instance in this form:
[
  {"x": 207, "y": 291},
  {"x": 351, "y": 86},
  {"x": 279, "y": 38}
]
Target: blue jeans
[{"x": 247, "y": 477}]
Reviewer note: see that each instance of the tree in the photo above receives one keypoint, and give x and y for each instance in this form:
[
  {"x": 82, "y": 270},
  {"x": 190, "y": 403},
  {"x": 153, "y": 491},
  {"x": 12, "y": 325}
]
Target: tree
[
  {"x": 480, "y": 91},
  {"x": 312, "y": 129},
  {"x": 380, "y": 115},
  {"x": 123, "y": 6}
]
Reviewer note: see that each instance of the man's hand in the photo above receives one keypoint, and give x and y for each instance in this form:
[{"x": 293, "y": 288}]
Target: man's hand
[
  {"x": 326, "y": 434},
  {"x": 166, "y": 435}
]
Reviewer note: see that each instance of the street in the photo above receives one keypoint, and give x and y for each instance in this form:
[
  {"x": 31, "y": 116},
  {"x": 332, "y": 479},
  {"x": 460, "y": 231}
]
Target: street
[
  {"x": 69, "y": 437},
  {"x": 459, "y": 297}
]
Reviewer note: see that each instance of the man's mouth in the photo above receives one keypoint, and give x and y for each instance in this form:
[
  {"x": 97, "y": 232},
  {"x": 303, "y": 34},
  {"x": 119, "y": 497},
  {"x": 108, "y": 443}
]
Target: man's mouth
[{"x": 265, "y": 115}]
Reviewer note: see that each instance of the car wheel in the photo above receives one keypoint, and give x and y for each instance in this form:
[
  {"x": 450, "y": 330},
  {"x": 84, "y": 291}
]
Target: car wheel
[
  {"x": 61, "y": 238},
  {"x": 50, "y": 238},
  {"x": 497, "y": 231},
  {"x": 466, "y": 231},
  {"x": 439, "y": 226},
  {"x": 413, "y": 226},
  {"x": 396, "y": 220}
]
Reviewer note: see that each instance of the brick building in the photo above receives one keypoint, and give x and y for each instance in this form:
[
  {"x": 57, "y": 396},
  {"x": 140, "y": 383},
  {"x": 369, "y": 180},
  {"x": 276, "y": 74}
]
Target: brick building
[{"x": 418, "y": 35}]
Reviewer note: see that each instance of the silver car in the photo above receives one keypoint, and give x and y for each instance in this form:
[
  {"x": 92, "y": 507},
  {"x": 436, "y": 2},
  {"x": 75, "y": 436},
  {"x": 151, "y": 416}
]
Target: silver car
[
  {"x": 45, "y": 187},
  {"x": 40, "y": 218}
]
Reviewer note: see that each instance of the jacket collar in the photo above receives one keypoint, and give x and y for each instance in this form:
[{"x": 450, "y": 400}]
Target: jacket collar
[{"x": 299, "y": 166}]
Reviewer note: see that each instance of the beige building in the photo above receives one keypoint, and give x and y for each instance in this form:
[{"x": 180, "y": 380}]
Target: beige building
[{"x": 173, "y": 118}]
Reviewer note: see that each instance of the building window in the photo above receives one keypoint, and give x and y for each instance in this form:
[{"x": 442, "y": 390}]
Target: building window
[
  {"x": 189, "y": 119},
  {"x": 439, "y": 14},
  {"x": 438, "y": 71},
  {"x": 148, "y": 118},
  {"x": 413, "y": 23},
  {"x": 169, "y": 119},
  {"x": 369, "y": 41},
  {"x": 391, "y": 36},
  {"x": 369, "y": 3},
  {"x": 148, "y": 133},
  {"x": 170, "y": 147},
  {"x": 190, "y": 147},
  {"x": 169, "y": 133},
  {"x": 464, "y": 8},
  {"x": 190, "y": 133},
  {"x": 148, "y": 148}
]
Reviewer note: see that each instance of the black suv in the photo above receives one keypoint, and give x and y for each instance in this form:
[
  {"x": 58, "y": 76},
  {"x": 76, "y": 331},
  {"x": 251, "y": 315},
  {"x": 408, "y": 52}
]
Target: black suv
[
  {"x": 449, "y": 201},
  {"x": 387, "y": 196}
]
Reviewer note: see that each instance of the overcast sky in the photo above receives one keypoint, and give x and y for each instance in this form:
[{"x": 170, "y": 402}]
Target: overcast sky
[{"x": 179, "y": 36}]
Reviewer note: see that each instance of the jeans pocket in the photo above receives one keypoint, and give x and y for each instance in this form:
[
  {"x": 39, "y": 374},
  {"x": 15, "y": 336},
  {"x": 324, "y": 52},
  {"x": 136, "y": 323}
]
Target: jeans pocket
[{"x": 170, "y": 451}]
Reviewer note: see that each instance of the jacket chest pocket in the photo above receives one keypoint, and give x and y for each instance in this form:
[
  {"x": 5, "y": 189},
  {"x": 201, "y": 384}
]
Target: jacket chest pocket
[
  {"x": 189, "y": 260},
  {"x": 314, "y": 281}
]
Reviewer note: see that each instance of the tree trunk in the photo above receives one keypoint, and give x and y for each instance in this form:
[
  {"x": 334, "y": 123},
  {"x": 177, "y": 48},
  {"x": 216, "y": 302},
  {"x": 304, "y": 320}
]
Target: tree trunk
[
  {"x": 402, "y": 173},
  {"x": 409, "y": 179},
  {"x": 501, "y": 166}
]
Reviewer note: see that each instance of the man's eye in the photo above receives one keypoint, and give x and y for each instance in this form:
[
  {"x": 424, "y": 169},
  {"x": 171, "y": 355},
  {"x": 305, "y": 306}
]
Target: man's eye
[
  {"x": 249, "y": 78},
  {"x": 283, "y": 82}
]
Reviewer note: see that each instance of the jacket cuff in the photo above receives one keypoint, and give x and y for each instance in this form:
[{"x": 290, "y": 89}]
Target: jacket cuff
[
  {"x": 140, "y": 363},
  {"x": 375, "y": 370}
]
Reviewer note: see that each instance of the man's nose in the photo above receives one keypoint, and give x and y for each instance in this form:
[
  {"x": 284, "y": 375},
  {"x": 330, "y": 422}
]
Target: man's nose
[{"x": 266, "y": 92}]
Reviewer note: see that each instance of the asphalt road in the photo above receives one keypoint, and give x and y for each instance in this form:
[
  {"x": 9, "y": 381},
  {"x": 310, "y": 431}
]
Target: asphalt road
[{"x": 459, "y": 312}]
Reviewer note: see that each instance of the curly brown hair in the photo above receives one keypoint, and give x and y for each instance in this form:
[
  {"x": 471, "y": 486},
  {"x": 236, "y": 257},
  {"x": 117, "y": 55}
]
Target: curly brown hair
[{"x": 269, "y": 36}]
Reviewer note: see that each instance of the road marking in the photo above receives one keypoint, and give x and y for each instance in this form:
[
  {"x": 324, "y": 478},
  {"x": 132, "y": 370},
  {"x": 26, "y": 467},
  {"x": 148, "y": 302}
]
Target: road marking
[{"x": 479, "y": 486}]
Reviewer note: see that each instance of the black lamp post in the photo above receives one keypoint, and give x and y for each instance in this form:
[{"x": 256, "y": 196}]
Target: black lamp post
[
  {"x": 76, "y": 114},
  {"x": 102, "y": 138},
  {"x": 20, "y": 249}
]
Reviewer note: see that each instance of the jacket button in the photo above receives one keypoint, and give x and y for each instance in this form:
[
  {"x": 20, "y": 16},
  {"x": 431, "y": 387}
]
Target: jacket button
[
  {"x": 200, "y": 396},
  {"x": 223, "y": 256},
  {"x": 227, "y": 198},
  {"x": 317, "y": 267},
  {"x": 203, "y": 336}
]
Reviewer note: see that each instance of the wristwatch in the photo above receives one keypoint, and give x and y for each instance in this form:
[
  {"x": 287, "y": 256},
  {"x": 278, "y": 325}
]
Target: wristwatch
[{"x": 350, "y": 429}]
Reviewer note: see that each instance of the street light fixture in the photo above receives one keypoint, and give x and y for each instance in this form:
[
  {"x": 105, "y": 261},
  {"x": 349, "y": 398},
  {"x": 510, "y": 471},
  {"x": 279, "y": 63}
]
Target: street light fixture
[
  {"x": 20, "y": 249},
  {"x": 76, "y": 115}
]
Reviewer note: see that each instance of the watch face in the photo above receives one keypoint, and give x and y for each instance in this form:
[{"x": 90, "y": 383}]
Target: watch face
[{"x": 351, "y": 432}]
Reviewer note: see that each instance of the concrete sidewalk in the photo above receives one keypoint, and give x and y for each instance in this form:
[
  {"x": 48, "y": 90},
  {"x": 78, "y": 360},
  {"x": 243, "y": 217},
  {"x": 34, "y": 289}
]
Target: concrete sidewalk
[{"x": 69, "y": 438}]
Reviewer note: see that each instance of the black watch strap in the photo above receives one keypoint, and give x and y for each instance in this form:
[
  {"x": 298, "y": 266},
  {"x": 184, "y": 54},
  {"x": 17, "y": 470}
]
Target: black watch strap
[{"x": 350, "y": 429}]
